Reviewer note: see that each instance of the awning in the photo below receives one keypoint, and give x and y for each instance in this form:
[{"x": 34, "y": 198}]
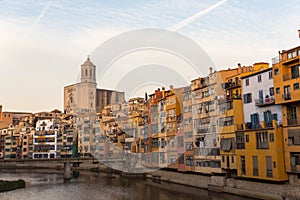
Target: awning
[{"x": 226, "y": 144}]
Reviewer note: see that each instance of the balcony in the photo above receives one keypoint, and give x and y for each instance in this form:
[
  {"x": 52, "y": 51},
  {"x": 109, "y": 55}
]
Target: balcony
[
  {"x": 264, "y": 101},
  {"x": 291, "y": 76},
  {"x": 293, "y": 121},
  {"x": 231, "y": 85},
  {"x": 250, "y": 126},
  {"x": 276, "y": 60},
  {"x": 286, "y": 96}
]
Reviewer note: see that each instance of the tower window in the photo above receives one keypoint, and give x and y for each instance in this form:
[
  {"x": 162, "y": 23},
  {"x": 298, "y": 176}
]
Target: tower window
[
  {"x": 91, "y": 73},
  {"x": 86, "y": 72}
]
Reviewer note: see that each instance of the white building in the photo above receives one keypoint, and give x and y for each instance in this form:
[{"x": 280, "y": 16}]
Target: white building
[
  {"x": 258, "y": 98},
  {"x": 45, "y": 139}
]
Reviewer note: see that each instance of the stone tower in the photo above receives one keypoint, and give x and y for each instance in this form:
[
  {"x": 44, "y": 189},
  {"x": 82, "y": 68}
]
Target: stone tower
[{"x": 87, "y": 88}]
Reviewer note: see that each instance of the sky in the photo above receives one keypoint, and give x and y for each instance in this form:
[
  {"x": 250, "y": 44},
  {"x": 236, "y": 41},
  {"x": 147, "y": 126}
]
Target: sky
[{"x": 44, "y": 43}]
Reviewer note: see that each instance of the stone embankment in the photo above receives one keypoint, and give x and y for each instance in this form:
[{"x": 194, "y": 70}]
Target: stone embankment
[{"x": 247, "y": 188}]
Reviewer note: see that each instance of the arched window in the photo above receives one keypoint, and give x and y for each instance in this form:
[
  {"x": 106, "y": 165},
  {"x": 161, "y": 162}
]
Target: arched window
[
  {"x": 91, "y": 73},
  {"x": 86, "y": 72}
]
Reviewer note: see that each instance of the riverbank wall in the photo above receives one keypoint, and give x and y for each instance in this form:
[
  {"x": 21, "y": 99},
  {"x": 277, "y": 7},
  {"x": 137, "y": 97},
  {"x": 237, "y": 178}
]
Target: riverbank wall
[{"x": 247, "y": 188}]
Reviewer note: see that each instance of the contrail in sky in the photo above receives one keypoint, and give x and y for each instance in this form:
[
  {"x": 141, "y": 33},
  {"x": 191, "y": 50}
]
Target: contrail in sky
[
  {"x": 188, "y": 20},
  {"x": 42, "y": 15}
]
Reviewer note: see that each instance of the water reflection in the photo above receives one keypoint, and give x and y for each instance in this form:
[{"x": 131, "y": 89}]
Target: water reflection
[{"x": 93, "y": 186}]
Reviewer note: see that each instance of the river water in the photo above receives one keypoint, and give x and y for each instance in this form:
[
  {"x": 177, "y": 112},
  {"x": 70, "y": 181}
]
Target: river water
[{"x": 88, "y": 186}]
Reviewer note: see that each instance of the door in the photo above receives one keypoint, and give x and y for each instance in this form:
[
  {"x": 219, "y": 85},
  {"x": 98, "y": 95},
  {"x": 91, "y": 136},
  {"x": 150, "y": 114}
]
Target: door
[
  {"x": 228, "y": 162},
  {"x": 269, "y": 166}
]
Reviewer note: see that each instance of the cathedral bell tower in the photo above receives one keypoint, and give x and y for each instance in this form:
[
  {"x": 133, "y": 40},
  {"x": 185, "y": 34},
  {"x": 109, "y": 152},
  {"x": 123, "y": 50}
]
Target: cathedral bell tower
[{"x": 88, "y": 72}]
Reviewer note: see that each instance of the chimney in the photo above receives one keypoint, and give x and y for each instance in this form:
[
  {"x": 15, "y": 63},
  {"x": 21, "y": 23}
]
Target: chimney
[
  {"x": 239, "y": 68},
  {"x": 210, "y": 70},
  {"x": 171, "y": 88}
]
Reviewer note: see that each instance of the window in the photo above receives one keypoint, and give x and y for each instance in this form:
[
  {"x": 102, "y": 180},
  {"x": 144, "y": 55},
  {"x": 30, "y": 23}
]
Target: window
[
  {"x": 189, "y": 134},
  {"x": 223, "y": 159},
  {"x": 262, "y": 140},
  {"x": 255, "y": 165},
  {"x": 295, "y": 71},
  {"x": 155, "y": 157},
  {"x": 291, "y": 54},
  {"x": 247, "y": 81},
  {"x": 269, "y": 166},
  {"x": 172, "y": 159},
  {"x": 247, "y": 138},
  {"x": 226, "y": 121},
  {"x": 189, "y": 160},
  {"x": 247, "y": 98},
  {"x": 243, "y": 165},
  {"x": 180, "y": 141},
  {"x": 180, "y": 159},
  {"x": 293, "y": 137},
  {"x": 259, "y": 78},
  {"x": 276, "y": 71},
  {"x": 296, "y": 86},
  {"x": 154, "y": 142},
  {"x": 188, "y": 146},
  {"x": 232, "y": 159},
  {"x": 271, "y": 137},
  {"x": 270, "y": 74},
  {"x": 287, "y": 92},
  {"x": 240, "y": 143},
  {"x": 271, "y": 89},
  {"x": 278, "y": 90}
]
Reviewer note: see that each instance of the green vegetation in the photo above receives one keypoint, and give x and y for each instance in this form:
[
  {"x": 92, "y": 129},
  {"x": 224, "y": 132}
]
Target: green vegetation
[{"x": 11, "y": 185}]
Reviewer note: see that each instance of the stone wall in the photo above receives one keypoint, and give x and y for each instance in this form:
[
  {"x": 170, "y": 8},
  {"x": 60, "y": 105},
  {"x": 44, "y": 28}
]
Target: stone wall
[{"x": 254, "y": 189}]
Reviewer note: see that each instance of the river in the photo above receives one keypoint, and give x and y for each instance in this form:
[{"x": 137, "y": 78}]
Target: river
[{"x": 90, "y": 186}]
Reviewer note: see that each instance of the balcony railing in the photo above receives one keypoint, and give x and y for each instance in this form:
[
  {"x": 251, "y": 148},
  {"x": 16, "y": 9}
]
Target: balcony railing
[
  {"x": 291, "y": 76},
  {"x": 276, "y": 60},
  {"x": 232, "y": 85},
  {"x": 286, "y": 96},
  {"x": 262, "y": 145},
  {"x": 264, "y": 101},
  {"x": 250, "y": 125},
  {"x": 293, "y": 121}
]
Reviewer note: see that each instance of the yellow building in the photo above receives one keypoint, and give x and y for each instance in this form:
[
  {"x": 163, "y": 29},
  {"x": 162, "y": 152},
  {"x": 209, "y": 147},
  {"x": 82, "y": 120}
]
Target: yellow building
[
  {"x": 287, "y": 93},
  {"x": 260, "y": 153},
  {"x": 173, "y": 111},
  {"x": 231, "y": 117},
  {"x": 259, "y": 145}
]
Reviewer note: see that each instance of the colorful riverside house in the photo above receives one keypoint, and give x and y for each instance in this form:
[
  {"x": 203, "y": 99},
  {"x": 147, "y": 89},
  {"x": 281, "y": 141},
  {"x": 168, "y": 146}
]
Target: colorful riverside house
[
  {"x": 173, "y": 116},
  {"x": 286, "y": 72},
  {"x": 153, "y": 128},
  {"x": 185, "y": 136},
  {"x": 231, "y": 117},
  {"x": 259, "y": 146},
  {"x": 162, "y": 135},
  {"x": 205, "y": 92},
  {"x": 45, "y": 138}
]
